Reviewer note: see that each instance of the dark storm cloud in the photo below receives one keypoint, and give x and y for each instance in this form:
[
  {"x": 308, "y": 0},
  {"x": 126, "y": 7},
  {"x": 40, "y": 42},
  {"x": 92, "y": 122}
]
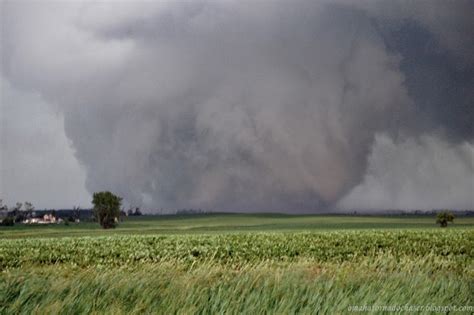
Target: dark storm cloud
[
  {"x": 440, "y": 83},
  {"x": 241, "y": 105}
]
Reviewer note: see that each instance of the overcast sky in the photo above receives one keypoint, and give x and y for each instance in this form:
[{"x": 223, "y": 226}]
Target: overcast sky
[
  {"x": 295, "y": 106},
  {"x": 37, "y": 160}
]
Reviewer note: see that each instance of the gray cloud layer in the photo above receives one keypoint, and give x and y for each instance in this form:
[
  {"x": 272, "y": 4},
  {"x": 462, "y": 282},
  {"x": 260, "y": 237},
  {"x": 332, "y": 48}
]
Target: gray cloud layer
[
  {"x": 426, "y": 173},
  {"x": 268, "y": 106},
  {"x": 36, "y": 159}
]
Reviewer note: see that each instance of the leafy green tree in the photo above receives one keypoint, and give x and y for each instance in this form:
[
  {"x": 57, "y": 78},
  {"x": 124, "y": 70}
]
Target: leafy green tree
[
  {"x": 444, "y": 217},
  {"x": 8, "y": 221},
  {"x": 106, "y": 208}
]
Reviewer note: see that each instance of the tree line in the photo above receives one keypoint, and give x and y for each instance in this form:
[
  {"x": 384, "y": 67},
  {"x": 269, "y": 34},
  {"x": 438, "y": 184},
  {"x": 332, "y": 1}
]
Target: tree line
[{"x": 107, "y": 211}]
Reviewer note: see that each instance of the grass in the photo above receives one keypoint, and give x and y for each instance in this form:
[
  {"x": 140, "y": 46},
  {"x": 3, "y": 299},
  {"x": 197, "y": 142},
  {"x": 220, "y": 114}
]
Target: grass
[
  {"x": 234, "y": 264},
  {"x": 231, "y": 223},
  {"x": 302, "y": 287},
  {"x": 454, "y": 246}
]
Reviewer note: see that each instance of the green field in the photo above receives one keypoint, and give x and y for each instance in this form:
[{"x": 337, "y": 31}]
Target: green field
[
  {"x": 231, "y": 223},
  {"x": 237, "y": 264}
]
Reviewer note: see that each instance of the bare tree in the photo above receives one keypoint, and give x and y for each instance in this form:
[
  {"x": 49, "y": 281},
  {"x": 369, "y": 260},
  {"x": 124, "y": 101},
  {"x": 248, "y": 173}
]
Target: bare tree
[
  {"x": 29, "y": 208},
  {"x": 2, "y": 206},
  {"x": 76, "y": 212},
  {"x": 18, "y": 206}
]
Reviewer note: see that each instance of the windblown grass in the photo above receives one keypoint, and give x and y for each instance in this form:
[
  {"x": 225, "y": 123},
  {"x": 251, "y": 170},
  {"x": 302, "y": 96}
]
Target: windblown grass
[
  {"x": 244, "y": 273},
  {"x": 454, "y": 245},
  {"x": 285, "y": 288}
]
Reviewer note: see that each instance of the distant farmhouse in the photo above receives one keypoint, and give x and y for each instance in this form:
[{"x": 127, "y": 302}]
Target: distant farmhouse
[{"x": 46, "y": 219}]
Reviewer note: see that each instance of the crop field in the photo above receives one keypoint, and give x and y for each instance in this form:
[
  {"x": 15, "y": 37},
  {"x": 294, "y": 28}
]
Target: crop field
[
  {"x": 237, "y": 264},
  {"x": 232, "y": 223}
]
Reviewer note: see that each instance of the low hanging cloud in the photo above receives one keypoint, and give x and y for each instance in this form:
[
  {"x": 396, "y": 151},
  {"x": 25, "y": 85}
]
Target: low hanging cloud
[
  {"x": 267, "y": 106},
  {"x": 36, "y": 159},
  {"x": 426, "y": 173}
]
